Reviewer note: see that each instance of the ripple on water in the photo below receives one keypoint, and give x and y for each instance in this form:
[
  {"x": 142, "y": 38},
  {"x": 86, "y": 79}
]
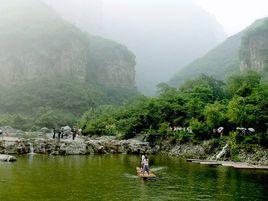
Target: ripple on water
[
  {"x": 157, "y": 169},
  {"x": 130, "y": 176}
]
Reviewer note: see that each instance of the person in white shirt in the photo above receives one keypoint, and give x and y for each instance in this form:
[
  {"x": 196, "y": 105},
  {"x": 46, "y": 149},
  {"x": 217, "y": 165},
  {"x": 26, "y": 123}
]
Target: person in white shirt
[
  {"x": 146, "y": 166},
  {"x": 142, "y": 161}
]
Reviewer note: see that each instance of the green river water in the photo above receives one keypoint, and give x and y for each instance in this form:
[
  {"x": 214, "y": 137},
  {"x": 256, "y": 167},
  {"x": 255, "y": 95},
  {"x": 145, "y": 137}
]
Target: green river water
[{"x": 112, "y": 177}]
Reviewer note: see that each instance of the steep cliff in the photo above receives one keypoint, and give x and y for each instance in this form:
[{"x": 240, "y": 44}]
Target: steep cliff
[
  {"x": 254, "y": 47},
  {"x": 51, "y": 71},
  {"x": 111, "y": 63},
  {"x": 247, "y": 50},
  {"x": 35, "y": 42}
]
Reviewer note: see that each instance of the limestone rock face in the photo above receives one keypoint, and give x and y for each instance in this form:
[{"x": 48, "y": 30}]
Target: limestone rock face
[
  {"x": 254, "y": 51},
  {"x": 110, "y": 63},
  {"x": 35, "y": 42}
]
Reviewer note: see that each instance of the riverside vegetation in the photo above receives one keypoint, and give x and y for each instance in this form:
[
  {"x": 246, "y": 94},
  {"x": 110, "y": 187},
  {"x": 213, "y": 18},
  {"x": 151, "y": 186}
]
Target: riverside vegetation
[
  {"x": 202, "y": 104},
  {"x": 146, "y": 124}
]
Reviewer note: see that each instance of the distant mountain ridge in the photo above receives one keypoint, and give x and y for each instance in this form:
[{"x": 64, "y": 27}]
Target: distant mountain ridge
[
  {"x": 243, "y": 51},
  {"x": 163, "y": 34}
]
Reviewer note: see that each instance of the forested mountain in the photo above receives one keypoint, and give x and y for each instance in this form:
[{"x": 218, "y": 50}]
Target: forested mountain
[
  {"x": 164, "y": 35},
  {"x": 49, "y": 66},
  {"x": 245, "y": 50}
]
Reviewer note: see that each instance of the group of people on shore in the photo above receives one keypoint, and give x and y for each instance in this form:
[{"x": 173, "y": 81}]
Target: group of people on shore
[
  {"x": 179, "y": 128},
  {"x": 4, "y": 133},
  {"x": 74, "y": 132},
  {"x": 145, "y": 164},
  {"x": 217, "y": 131}
]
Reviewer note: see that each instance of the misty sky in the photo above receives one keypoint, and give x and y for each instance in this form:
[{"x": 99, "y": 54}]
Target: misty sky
[{"x": 235, "y": 15}]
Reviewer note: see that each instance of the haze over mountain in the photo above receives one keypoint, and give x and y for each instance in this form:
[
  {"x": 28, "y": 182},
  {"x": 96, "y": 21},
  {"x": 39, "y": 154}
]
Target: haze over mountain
[
  {"x": 164, "y": 35},
  {"x": 247, "y": 50},
  {"x": 86, "y": 14}
]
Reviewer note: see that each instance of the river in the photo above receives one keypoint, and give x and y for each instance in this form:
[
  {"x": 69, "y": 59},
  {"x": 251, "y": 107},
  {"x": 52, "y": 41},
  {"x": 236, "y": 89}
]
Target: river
[{"x": 112, "y": 177}]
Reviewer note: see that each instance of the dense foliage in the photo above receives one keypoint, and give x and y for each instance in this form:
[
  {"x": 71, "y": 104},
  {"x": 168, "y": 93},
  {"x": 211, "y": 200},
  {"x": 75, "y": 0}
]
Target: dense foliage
[
  {"x": 200, "y": 105},
  {"x": 50, "y": 103}
]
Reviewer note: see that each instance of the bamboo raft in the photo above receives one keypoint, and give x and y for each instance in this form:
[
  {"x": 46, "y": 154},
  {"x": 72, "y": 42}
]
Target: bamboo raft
[
  {"x": 145, "y": 175},
  {"x": 237, "y": 165}
]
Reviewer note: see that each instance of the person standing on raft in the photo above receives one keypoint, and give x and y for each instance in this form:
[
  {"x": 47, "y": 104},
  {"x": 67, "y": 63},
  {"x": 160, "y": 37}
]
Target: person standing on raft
[
  {"x": 146, "y": 166},
  {"x": 142, "y": 159}
]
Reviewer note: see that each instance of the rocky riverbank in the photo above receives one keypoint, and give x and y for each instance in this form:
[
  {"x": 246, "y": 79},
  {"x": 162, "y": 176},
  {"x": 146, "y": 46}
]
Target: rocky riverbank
[
  {"x": 111, "y": 145},
  {"x": 7, "y": 158},
  {"x": 80, "y": 146}
]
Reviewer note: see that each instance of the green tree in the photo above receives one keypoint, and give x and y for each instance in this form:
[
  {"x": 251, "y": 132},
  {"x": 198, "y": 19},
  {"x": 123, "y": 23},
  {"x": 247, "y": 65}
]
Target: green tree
[
  {"x": 215, "y": 115},
  {"x": 243, "y": 84},
  {"x": 236, "y": 111},
  {"x": 199, "y": 129}
]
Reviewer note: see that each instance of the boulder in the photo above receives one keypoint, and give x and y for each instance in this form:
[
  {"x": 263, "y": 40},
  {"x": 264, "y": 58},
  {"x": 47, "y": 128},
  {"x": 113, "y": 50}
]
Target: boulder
[
  {"x": 73, "y": 148},
  {"x": 10, "y": 147},
  {"x": 67, "y": 129},
  {"x": 45, "y": 130},
  {"x": 7, "y": 158}
]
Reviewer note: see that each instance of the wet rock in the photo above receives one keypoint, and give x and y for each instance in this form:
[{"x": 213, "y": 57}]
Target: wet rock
[
  {"x": 257, "y": 156},
  {"x": 11, "y": 147},
  {"x": 74, "y": 148},
  {"x": 21, "y": 148},
  {"x": 97, "y": 146},
  {"x": 101, "y": 145},
  {"x": 188, "y": 151},
  {"x": 7, "y": 158},
  {"x": 111, "y": 145},
  {"x": 67, "y": 130}
]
